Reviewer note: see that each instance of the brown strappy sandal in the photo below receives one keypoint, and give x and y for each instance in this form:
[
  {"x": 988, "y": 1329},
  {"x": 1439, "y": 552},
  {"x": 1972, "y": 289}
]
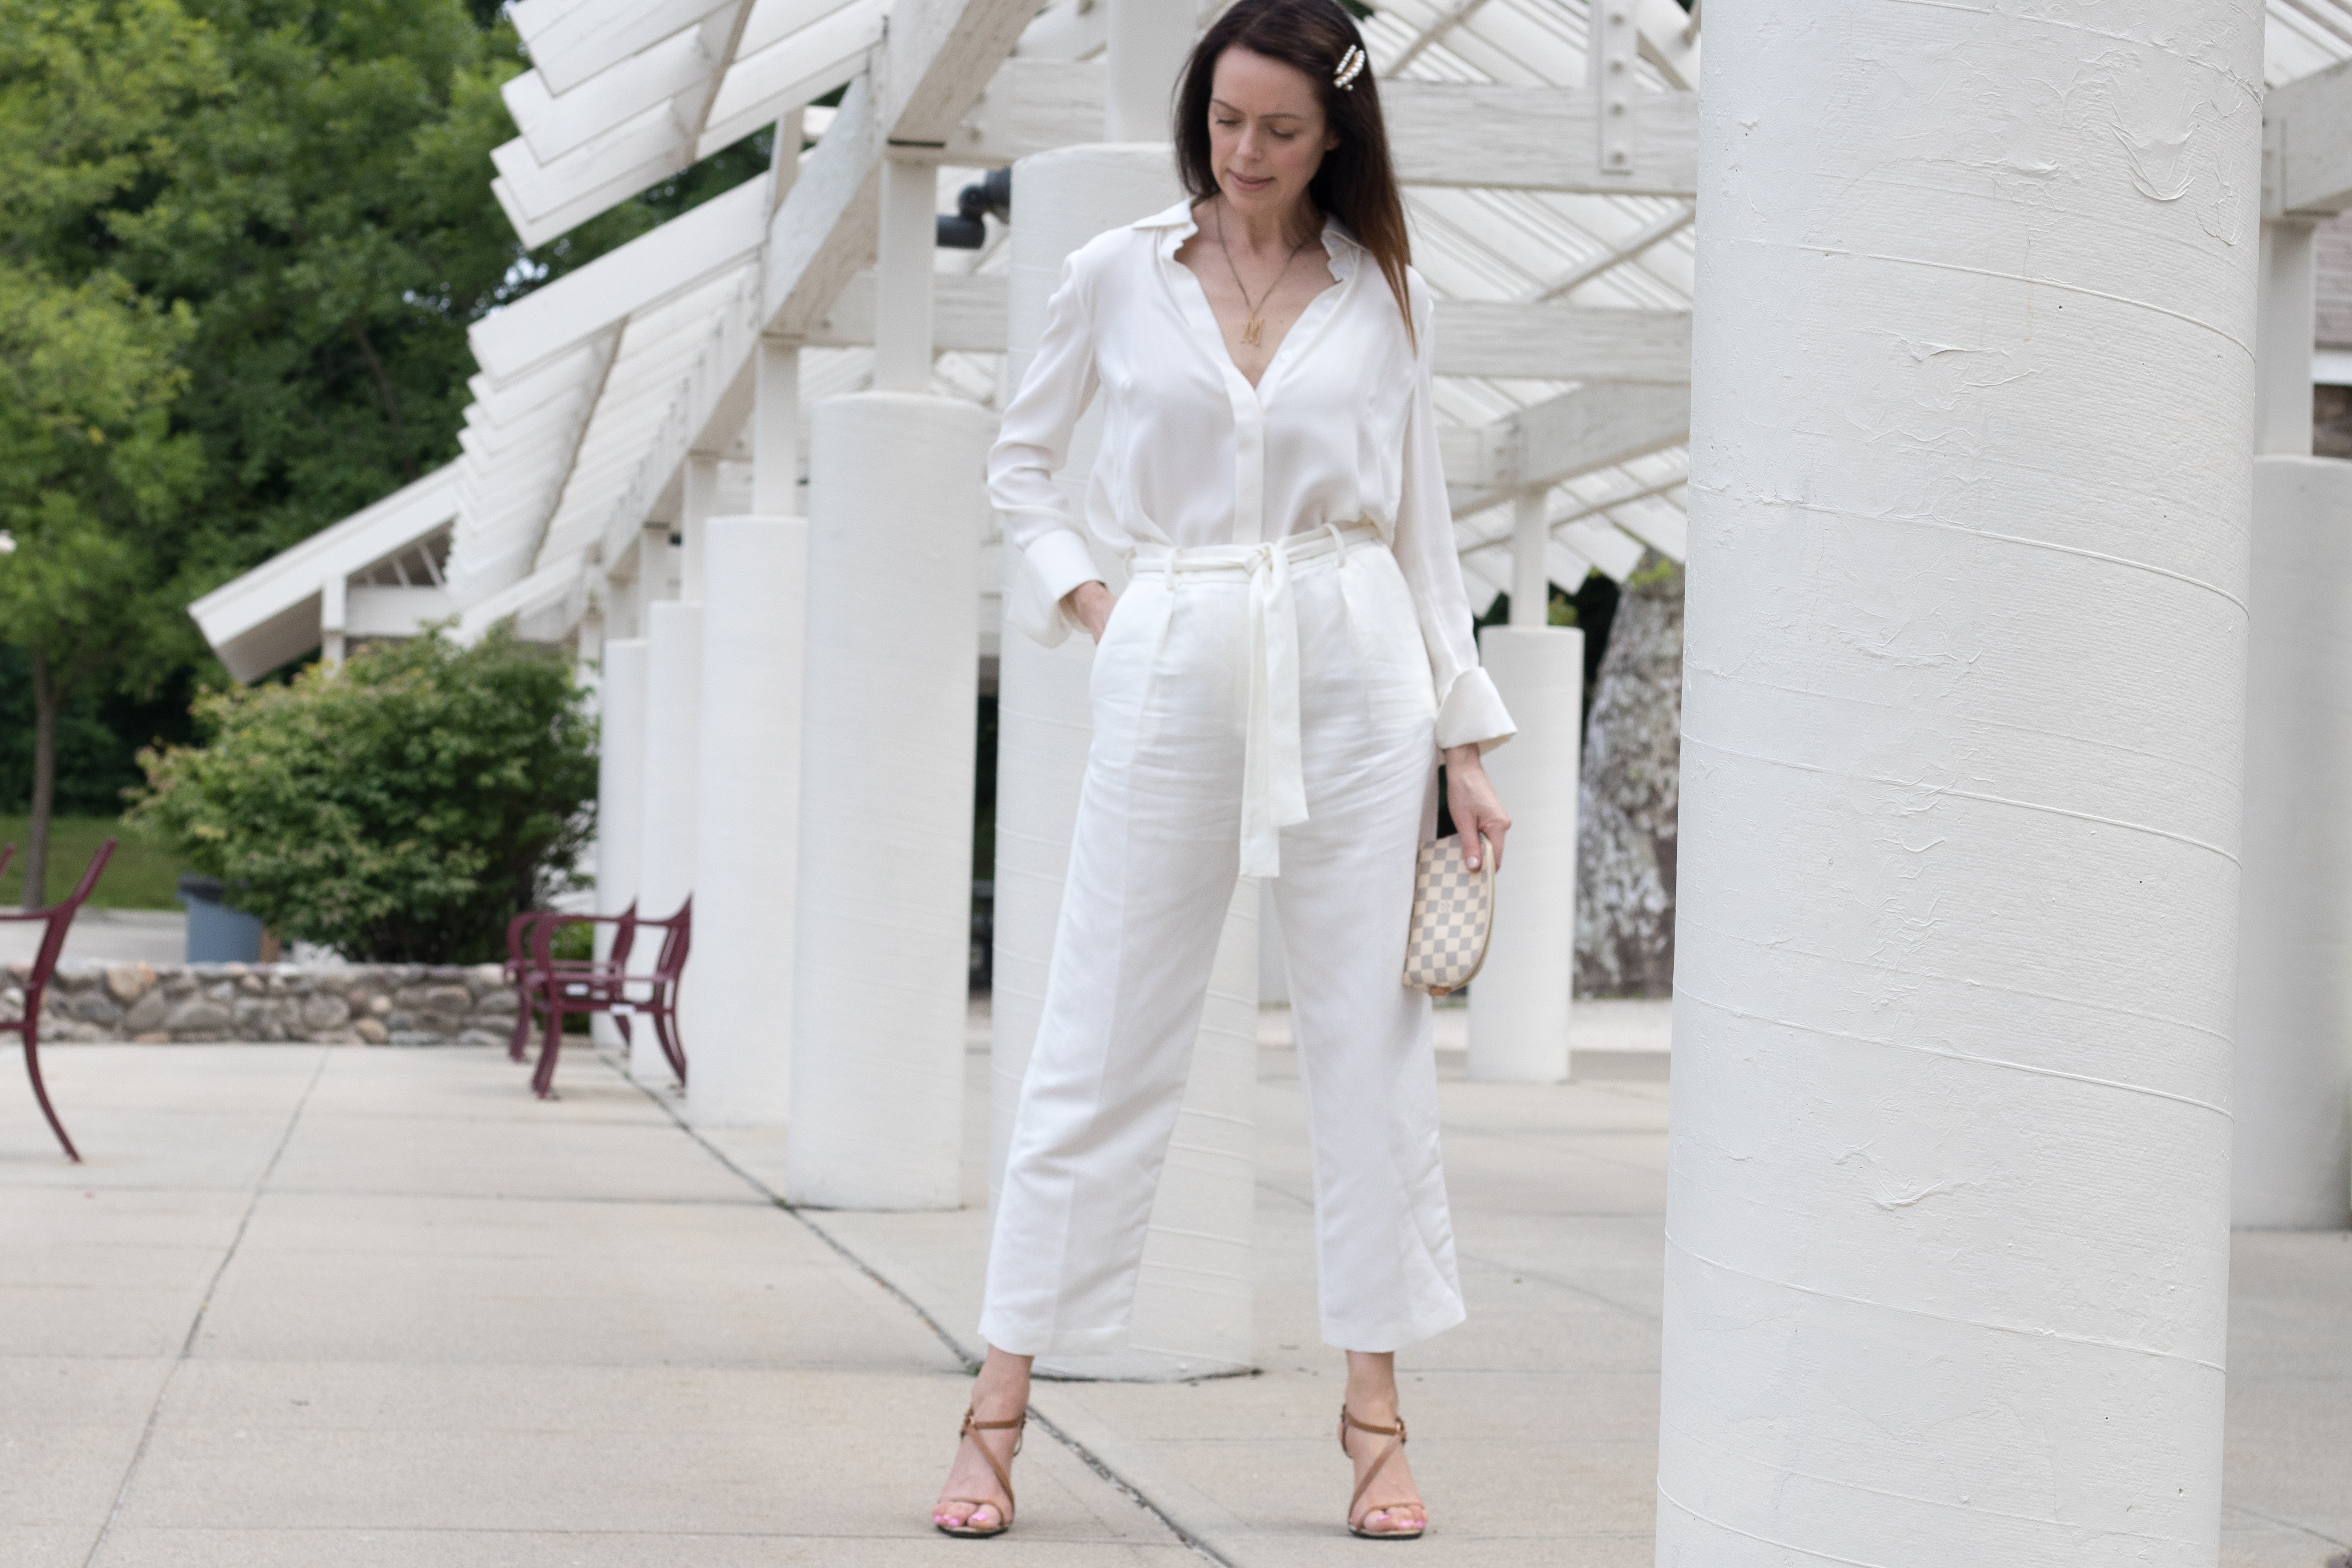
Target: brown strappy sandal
[
  {"x": 1356, "y": 1516},
  {"x": 1019, "y": 1425}
]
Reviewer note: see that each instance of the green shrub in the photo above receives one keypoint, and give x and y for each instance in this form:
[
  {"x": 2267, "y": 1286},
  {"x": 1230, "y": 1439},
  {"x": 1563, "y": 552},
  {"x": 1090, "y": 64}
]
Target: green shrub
[{"x": 400, "y": 810}]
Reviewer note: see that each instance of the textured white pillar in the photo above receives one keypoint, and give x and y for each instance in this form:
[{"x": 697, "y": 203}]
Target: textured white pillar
[
  {"x": 907, "y": 247},
  {"x": 1044, "y": 723},
  {"x": 1519, "y": 1003},
  {"x": 2287, "y": 324},
  {"x": 897, "y": 508},
  {"x": 2294, "y": 1072},
  {"x": 620, "y": 795},
  {"x": 1964, "y": 696},
  {"x": 1145, "y": 42},
  {"x": 334, "y": 601},
  {"x": 666, "y": 861},
  {"x": 1195, "y": 1296},
  {"x": 746, "y": 821}
]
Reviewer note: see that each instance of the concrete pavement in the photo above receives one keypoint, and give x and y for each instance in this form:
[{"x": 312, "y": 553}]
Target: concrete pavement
[{"x": 331, "y": 1305}]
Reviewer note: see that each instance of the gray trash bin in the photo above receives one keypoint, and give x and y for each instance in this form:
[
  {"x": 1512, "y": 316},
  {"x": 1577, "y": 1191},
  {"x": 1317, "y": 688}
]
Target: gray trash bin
[{"x": 218, "y": 933}]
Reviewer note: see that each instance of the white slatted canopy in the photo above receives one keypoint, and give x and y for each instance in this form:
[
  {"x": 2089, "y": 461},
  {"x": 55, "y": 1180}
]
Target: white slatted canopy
[{"x": 1563, "y": 322}]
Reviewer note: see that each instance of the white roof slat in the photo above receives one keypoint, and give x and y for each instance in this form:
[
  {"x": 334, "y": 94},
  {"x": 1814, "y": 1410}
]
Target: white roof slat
[
  {"x": 786, "y": 75},
  {"x": 573, "y": 40},
  {"x": 556, "y": 125}
]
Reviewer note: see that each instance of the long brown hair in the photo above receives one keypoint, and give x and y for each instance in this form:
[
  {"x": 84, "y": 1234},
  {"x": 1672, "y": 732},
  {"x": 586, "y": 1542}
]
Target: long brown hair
[{"x": 1356, "y": 182}]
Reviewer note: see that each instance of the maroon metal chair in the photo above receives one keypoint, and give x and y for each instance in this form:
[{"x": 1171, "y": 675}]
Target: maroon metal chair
[
  {"x": 524, "y": 971},
  {"x": 608, "y": 987},
  {"x": 53, "y": 940}
]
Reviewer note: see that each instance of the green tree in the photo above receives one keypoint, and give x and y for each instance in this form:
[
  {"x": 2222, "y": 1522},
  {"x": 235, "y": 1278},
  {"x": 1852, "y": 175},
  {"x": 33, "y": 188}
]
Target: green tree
[
  {"x": 92, "y": 476},
  {"x": 399, "y": 811}
]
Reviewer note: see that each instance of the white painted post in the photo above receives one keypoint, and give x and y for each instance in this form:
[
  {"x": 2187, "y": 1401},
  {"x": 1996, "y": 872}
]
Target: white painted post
[
  {"x": 334, "y": 599},
  {"x": 1530, "y": 564},
  {"x": 1948, "y": 1218},
  {"x": 620, "y": 795},
  {"x": 665, "y": 863},
  {"x": 1043, "y": 727},
  {"x": 775, "y": 430},
  {"x": 1520, "y": 1003},
  {"x": 699, "y": 483},
  {"x": 2291, "y": 1167},
  {"x": 896, "y": 509},
  {"x": 1145, "y": 42},
  {"x": 747, "y": 820},
  {"x": 2286, "y": 327},
  {"x": 902, "y": 277}
]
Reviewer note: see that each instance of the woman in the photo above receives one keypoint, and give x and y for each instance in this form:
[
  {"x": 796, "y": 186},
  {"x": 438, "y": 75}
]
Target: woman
[{"x": 1271, "y": 694}]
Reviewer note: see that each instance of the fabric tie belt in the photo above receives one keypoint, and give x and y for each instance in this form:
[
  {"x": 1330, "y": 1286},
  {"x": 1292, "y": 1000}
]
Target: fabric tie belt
[{"x": 1274, "y": 782}]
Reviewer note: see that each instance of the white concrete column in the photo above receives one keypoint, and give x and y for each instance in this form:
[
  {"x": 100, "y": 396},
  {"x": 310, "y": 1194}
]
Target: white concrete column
[
  {"x": 620, "y": 795},
  {"x": 653, "y": 582},
  {"x": 2286, "y": 327},
  {"x": 902, "y": 277},
  {"x": 1145, "y": 42},
  {"x": 746, "y": 821},
  {"x": 1948, "y": 1216},
  {"x": 666, "y": 861},
  {"x": 1195, "y": 1295},
  {"x": 2290, "y": 1168},
  {"x": 1043, "y": 727},
  {"x": 1519, "y": 1002},
  {"x": 699, "y": 484},
  {"x": 1530, "y": 561},
  {"x": 896, "y": 509},
  {"x": 775, "y": 429}
]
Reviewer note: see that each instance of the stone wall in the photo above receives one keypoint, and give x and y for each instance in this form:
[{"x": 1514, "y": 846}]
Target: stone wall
[{"x": 370, "y": 1005}]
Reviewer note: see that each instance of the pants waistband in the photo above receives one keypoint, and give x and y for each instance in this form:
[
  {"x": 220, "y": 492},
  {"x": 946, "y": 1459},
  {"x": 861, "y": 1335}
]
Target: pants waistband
[{"x": 1274, "y": 782}]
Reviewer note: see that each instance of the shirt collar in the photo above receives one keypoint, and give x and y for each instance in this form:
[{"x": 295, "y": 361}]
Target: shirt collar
[{"x": 1176, "y": 225}]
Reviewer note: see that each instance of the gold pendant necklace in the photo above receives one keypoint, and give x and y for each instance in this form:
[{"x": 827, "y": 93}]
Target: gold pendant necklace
[{"x": 1254, "y": 325}]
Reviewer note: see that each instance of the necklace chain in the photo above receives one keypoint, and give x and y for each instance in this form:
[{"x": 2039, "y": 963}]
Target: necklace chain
[{"x": 1254, "y": 327}]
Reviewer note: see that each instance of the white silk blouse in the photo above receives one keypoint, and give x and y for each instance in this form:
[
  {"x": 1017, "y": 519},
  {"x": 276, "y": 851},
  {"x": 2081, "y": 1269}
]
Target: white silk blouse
[{"x": 1342, "y": 428}]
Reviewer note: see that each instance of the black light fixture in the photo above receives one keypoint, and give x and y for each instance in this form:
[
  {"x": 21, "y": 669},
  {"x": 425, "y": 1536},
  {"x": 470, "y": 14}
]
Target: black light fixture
[{"x": 966, "y": 228}]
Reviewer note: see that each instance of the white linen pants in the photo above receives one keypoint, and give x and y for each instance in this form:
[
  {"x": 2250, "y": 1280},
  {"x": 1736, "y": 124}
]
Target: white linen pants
[{"x": 1251, "y": 704}]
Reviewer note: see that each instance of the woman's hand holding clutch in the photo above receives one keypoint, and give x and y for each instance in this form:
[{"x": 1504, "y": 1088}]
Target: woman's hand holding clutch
[{"x": 1478, "y": 811}]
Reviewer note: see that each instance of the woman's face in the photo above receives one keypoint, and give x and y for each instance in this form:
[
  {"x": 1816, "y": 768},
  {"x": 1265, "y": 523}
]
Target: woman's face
[{"x": 1267, "y": 131}]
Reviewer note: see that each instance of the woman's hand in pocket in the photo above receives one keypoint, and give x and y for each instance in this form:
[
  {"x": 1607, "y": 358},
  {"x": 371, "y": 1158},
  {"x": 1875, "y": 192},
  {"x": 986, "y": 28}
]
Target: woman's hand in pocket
[{"x": 1090, "y": 603}]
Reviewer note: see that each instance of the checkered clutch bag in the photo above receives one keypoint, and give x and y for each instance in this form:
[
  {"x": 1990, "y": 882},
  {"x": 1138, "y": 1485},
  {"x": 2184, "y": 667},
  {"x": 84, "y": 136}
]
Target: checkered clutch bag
[{"x": 1453, "y": 916}]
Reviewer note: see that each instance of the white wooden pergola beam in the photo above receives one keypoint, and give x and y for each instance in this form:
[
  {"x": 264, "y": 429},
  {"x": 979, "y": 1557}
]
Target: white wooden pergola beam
[
  {"x": 1440, "y": 133},
  {"x": 2307, "y": 145},
  {"x": 1474, "y": 337},
  {"x": 1669, "y": 41},
  {"x": 571, "y": 42},
  {"x": 1663, "y": 227},
  {"x": 1576, "y": 433}
]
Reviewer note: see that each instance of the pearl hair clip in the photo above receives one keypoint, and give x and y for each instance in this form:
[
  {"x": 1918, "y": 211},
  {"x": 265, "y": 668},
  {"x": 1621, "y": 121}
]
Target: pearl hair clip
[{"x": 1351, "y": 66}]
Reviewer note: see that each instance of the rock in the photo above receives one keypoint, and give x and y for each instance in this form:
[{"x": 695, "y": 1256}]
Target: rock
[
  {"x": 146, "y": 1015},
  {"x": 127, "y": 983},
  {"x": 153, "y": 1037},
  {"x": 180, "y": 986},
  {"x": 380, "y": 1004},
  {"x": 12, "y": 1005},
  {"x": 373, "y": 1033},
  {"x": 198, "y": 1018},
  {"x": 95, "y": 1007},
  {"x": 500, "y": 1003},
  {"x": 1629, "y": 795},
  {"x": 254, "y": 984},
  {"x": 486, "y": 978},
  {"x": 324, "y": 1011},
  {"x": 337, "y": 1038},
  {"x": 415, "y": 1037},
  {"x": 479, "y": 1037}
]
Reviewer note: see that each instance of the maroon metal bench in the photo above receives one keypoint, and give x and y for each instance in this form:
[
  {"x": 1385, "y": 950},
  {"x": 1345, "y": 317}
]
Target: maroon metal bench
[
  {"x": 45, "y": 963},
  {"x": 525, "y": 973},
  {"x": 608, "y": 987}
]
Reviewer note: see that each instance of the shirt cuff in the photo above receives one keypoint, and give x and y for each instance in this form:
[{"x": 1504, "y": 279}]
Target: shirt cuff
[
  {"x": 1471, "y": 712},
  {"x": 1057, "y": 563}
]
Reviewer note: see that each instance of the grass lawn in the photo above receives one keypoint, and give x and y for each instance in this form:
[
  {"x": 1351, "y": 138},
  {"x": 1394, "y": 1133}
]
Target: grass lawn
[{"x": 139, "y": 877}]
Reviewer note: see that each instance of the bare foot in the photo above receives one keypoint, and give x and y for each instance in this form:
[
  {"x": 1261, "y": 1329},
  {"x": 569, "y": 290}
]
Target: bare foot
[
  {"x": 973, "y": 1499},
  {"x": 1392, "y": 1506}
]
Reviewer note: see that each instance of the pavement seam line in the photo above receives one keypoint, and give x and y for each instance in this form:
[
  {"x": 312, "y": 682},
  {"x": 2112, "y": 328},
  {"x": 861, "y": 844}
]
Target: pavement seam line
[
  {"x": 196, "y": 1324},
  {"x": 1084, "y": 1455}
]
